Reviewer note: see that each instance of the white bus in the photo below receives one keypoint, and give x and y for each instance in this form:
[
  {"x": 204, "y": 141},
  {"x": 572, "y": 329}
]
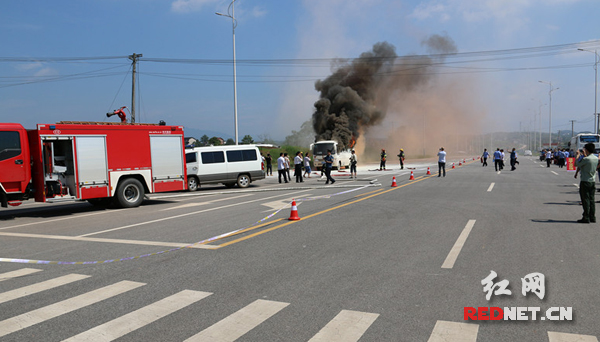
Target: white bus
[
  {"x": 341, "y": 157},
  {"x": 578, "y": 141}
]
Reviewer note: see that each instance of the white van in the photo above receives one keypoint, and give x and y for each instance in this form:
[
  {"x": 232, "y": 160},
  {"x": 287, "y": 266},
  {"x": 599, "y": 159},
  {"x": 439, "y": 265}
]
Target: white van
[{"x": 230, "y": 165}]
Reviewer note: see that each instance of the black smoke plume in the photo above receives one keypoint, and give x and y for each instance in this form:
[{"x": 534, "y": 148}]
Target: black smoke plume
[{"x": 354, "y": 98}]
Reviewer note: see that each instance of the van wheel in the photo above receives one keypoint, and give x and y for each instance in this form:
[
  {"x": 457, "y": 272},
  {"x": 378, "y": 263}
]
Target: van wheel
[
  {"x": 130, "y": 193},
  {"x": 192, "y": 183},
  {"x": 243, "y": 181}
]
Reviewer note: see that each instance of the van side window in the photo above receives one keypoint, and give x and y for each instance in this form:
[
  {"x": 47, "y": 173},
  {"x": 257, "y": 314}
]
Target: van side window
[
  {"x": 10, "y": 145},
  {"x": 241, "y": 155},
  {"x": 190, "y": 158},
  {"x": 212, "y": 157}
]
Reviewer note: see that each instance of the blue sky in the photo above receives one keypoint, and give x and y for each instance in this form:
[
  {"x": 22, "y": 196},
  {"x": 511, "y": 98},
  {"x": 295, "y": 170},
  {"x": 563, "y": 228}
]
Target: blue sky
[{"x": 273, "y": 97}]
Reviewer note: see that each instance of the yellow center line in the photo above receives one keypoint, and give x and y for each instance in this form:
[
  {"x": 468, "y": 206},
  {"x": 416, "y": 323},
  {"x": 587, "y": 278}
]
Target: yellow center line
[
  {"x": 322, "y": 212},
  {"x": 245, "y": 230},
  {"x": 366, "y": 193}
]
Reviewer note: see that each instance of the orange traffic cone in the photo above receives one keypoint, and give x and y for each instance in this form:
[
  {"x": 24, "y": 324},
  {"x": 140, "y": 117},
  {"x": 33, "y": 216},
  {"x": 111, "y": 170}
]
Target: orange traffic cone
[
  {"x": 412, "y": 177},
  {"x": 454, "y": 167},
  {"x": 394, "y": 182},
  {"x": 428, "y": 172},
  {"x": 294, "y": 214},
  {"x": 464, "y": 161},
  {"x": 473, "y": 158},
  {"x": 459, "y": 163}
]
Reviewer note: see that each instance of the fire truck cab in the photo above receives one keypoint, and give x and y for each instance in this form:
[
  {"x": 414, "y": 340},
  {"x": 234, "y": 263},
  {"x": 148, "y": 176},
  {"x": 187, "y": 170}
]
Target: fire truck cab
[{"x": 90, "y": 161}]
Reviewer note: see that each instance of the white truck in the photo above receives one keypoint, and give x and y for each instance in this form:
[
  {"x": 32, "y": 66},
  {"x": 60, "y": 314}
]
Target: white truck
[
  {"x": 578, "y": 141},
  {"x": 341, "y": 157}
]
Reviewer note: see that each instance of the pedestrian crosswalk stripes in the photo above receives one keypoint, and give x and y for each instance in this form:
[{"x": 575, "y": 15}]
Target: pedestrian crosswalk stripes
[
  {"x": 346, "y": 326},
  {"x": 236, "y": 325},
  {"x": 139, "y": 318},
  {"x": 18, "y": 273},
  {"x": 445, "y": 331},
  {"x": 564, "y": 337},
  {"x": 54, "y": 310},
  {"x": 39, "y": 287}
]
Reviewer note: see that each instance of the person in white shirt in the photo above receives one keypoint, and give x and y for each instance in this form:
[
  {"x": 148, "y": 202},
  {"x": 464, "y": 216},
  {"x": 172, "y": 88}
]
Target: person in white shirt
[
  {"x": 307, "y": 169},
  {"x": 298, "y": 167},
  {"x": 281, "y": 167},
  {"x": 441, "y": 162},
  {"x": 353, "y": 165}
]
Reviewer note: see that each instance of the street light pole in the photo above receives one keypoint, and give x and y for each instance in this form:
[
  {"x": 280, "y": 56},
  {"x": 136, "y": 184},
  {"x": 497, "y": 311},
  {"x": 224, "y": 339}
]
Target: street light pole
[
  {"x": 550, "y": 105},
  {"x": 595, "y": 52},
  {"x": 234, "y": 24}
]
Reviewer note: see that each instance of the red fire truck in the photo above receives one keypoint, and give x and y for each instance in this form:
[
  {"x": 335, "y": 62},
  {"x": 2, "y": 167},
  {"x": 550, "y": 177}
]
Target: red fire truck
[{"x": 94, "y": 161}]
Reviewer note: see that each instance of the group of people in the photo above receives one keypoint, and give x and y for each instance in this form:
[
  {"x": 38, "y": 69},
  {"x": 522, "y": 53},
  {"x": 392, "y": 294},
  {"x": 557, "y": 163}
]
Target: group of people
[
  {"x": 283, "y": 166},
  {"x": 383, "y": 159},
  {"x": 499, "y": 159},
  {"x": 558, "y": 156}
]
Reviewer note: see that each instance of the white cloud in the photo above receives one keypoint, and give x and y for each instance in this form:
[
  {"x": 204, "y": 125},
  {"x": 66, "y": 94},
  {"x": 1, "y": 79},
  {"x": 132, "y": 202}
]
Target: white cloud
[
  {"x": 258, "y": 12},
  {"x": 424, "y": 11},
  {"x": 28, "y": 66},
  {"x": 46, "y": 72},
  {"x": 186, "y": 6}
]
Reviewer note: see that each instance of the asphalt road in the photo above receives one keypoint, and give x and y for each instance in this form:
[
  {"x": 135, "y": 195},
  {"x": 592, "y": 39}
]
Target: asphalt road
[{"x": 366, "y": 262}]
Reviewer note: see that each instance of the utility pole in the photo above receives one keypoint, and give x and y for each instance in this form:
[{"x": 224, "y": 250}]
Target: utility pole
[
  {"x": 572, "y": 131},
  {"x": 134, "y": 59}
]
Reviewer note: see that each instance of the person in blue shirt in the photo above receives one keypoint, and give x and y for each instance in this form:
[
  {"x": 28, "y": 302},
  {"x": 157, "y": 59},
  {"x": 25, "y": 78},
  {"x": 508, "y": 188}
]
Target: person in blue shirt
[
  {"x": 497, "y": 159},
  {"x": 513, "y": 159},
  {"x": 328, "y": 159},
  {"x": 484, "y": 157}
]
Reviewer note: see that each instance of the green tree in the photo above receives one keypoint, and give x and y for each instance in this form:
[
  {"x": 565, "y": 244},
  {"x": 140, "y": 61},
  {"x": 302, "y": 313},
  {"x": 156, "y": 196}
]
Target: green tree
[
  {"x": 247, "y": 139},
  {"x": 304, "y": 137},
  {"x": 230, "y": 141},
  {"x": 204, "y": 140},
  {"x": 214, "y": 141}
]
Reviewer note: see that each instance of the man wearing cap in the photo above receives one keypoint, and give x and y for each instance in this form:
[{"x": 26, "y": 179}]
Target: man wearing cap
[{"x": 401, "y": 157}]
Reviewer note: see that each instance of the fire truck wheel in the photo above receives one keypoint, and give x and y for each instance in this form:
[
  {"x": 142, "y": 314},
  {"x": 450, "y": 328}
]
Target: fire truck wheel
[
  {"x": 193, "y": 183},
  {"x": 130, "y": 193},
  {"x": 243, "y": 181}
]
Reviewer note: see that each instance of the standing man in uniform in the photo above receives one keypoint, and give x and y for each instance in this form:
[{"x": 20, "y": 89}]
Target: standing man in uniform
[
  {"x": 382, "y": 159},
  {"x": 441, "y": 162},
  {"x": 328, "y": 159},
  {"x": 548, "y": 158},
  {"x": 587, "y": 183},
  {"x": 401, "y": 157}
]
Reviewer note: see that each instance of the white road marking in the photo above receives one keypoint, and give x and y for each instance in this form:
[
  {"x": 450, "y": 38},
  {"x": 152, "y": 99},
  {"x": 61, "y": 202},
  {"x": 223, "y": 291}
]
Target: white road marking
[
  {"x": 18, "y": 273},
  {"x": 498, "y": 172},
  {"x": 347, "y": 326},
  {"x": 169, "y": 218},
  {"x": 239, "y": 323},
  {"x": 195, "y": 204},
  {"x": 491, "y": 187},
  {"x": 564, "y": 337},
  {"x": 445, "y": 331},
  {"x": 554, "y": 173},
  {"x": 40, "y": 315},
  {"x": 276, "y": 205},
  {"x": 458, "y": 245},
  {"x": 123, "y": 325},
  {"x": 60, "y": 219},
  {"x": 39, "y": 287},
  {"x": 130, "y": 242}
]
